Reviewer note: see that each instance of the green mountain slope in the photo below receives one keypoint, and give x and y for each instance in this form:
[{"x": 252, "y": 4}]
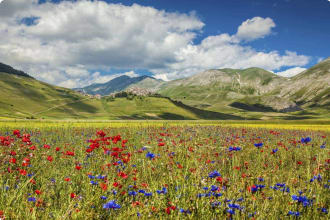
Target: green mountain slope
[
  {"x": 22, "y": 97},
  {"x": 311, "y": 88},
  {"x": 222, "y": 87},
  {"x": 254, "y": 92},
  {"x": 25, "y": 97}
]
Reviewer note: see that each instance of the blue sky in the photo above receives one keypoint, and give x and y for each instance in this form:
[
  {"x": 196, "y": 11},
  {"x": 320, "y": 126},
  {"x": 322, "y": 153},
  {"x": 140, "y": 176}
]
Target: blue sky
[
  {"x": 301, "y": 25},
  {"x": 81, "y": 42}
]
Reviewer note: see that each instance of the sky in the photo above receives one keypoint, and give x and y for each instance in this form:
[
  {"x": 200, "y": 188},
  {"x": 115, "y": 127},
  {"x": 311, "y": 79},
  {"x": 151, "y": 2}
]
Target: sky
[{"x": 77, "y": 43}]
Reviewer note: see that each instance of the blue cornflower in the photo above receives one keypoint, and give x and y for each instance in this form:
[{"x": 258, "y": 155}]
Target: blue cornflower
[
  {"x": 103, "y": 197},
  {"x": 150, "y": 155},
  {"x": 240, "y": 199},
  {"x": 111, "y": 205},
  {"x": 32, "y": 199},
  {"x": 185, "y": 211},
  {"x": 258, "y": 144},
  {"x": 142, "y": 191},
  {"x": 214, "y": 204},
  {"x": 274, "y": 150},
  {"x": 234, "y": 149},
  {"x": 322, "y": 146},
  {"x": 214, "y": 188},
  {"x": 305, "y": 140},
  {"x": 302, "y": 199},
  {"x": 324, "y": 210},
  {"x": 148, "y": 194},
  {"x": 234, "y": 206},
  {"x": 91, "y": 176},
  {"x": 261, "y": 179},
  {"x": 214, "y": 174},
  {"x": 280, "y": 184},
  {"x": 231, "y": 211},
  {"x": 94, "y": 182},
  {"x": 217, "y": 194},
  {"x": 132, "y": 193},
  {"x": 101, "y": 177},
  {"x": 206, "y": 188},
  {"x": 163, "y": 191},
  {"x": 294, "y": 213}
]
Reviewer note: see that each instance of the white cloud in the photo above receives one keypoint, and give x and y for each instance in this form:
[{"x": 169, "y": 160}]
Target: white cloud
[
  {"x": 255, "y": 28},
  {"x": 68, "y": 41},
  {"x": 291, "y": 72}
]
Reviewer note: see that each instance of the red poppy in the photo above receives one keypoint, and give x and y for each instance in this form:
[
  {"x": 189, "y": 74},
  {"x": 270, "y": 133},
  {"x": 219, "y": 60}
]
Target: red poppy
[{"x": 50, "y": 158}]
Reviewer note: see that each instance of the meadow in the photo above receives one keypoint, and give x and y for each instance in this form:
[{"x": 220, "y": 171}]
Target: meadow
[{"x": 166, "y": 170}]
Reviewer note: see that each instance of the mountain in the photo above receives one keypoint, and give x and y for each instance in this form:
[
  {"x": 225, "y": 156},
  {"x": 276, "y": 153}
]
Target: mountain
[
  {"x": 23, "y": 97},
  {"x": 251, "y": 93},
  {"x": 254, "y": 92},
  {"x": 121, "y": 83},
  {"x": 310, "y": 88},
  {"x": 222, "y": 87}
]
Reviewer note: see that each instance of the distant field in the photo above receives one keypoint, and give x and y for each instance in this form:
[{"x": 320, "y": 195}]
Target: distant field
[{"x": 280, "y": 124}]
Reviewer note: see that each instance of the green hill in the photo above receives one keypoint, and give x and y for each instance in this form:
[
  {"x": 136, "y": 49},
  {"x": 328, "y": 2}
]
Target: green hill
[{"x": 25, "y": 97}]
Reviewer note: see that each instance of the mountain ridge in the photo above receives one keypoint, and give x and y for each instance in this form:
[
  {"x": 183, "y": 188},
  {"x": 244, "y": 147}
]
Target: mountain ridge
[
  {"x": 251, "y": 93},
  {"x": 119, "y": 84}
]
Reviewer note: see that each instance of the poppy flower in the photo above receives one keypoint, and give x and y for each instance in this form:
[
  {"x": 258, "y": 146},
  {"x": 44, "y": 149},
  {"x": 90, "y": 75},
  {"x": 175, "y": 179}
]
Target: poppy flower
[{"x": 50, "y": 158}]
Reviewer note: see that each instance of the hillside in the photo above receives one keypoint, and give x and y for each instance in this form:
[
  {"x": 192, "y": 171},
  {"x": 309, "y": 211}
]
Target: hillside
[
  {"x": 121, "y": 83},
  {"x": 254, "y": 92},
  {"x": 222, "y": 87},
  {"x": 310, "y": 88},
  {"x": 24, "y": 97}
]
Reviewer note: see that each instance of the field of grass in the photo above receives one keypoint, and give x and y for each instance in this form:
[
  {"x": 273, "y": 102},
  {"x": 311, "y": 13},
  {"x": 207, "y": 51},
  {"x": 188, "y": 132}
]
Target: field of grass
[{"x": 164, "y": 169}]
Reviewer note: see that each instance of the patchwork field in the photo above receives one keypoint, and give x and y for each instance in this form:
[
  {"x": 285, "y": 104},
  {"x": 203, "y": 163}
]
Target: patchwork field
[{"x": 158, "y": 169}]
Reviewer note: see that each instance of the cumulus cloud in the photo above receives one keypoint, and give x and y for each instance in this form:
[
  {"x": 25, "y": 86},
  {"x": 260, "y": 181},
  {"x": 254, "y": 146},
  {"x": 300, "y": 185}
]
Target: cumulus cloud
[
  {"x": 291, "y": 72},
  {"x": 255, "y": 28},
  {"x": 65, "y": 43}
]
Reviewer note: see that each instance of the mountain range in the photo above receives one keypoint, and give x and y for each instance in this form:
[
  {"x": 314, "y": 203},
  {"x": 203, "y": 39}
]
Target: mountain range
[
  {"x": 232, "y": 90},
  {"x": 252, "y": 93},
  {"x": 121, "y": 83}
]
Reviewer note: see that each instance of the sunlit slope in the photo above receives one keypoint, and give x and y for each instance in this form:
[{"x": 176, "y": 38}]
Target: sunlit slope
[
  {"x": 22, "y": 97},
  {"x": 25, "y": 97}
]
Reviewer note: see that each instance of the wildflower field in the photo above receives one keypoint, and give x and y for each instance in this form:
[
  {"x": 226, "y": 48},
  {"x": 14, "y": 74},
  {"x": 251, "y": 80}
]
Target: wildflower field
[{"x": 163, "y": 170}]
